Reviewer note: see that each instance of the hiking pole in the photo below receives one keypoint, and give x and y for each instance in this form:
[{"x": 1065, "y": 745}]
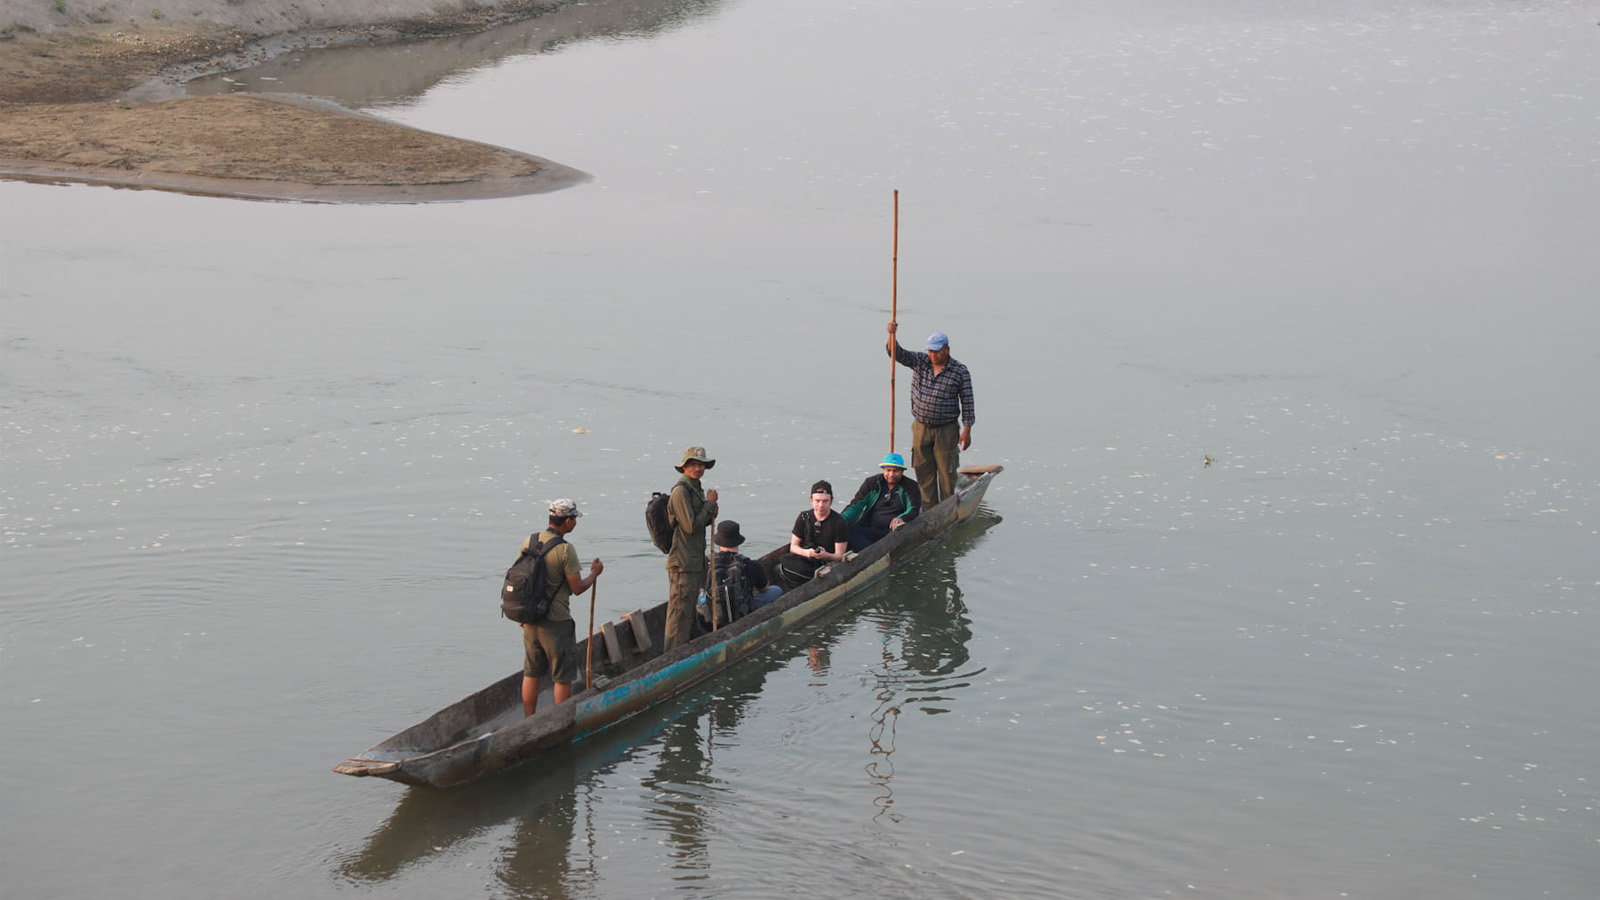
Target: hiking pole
[
  {"x": 588, "y": 653},
  {"x": 894, "y": 308},
  {"x": 715, "y": 619}
]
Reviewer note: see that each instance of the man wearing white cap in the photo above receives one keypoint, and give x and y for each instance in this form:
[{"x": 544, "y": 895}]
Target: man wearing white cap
[
  {"x": 551, "y": 646},
  {"x": 942, "y": 413}
]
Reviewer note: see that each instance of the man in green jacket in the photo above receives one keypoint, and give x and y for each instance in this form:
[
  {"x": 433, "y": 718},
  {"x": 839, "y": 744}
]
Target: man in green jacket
[
  {"x": 690, "y": 510},
  {"x": 882, "y": 504}
]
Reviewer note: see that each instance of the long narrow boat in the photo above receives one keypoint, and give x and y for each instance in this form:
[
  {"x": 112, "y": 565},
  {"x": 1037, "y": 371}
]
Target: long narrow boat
[{"x": 487, "y": 732}]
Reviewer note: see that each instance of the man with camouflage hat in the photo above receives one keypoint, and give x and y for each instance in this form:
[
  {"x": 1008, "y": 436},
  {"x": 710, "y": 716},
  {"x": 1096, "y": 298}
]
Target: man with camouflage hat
[
  {"x": 690, "y": 511},
  {"x": 551, "y": 646}
]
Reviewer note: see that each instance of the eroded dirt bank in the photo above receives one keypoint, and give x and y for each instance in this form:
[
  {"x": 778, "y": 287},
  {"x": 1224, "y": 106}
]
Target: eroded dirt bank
[{"x": 68, "y": 110}]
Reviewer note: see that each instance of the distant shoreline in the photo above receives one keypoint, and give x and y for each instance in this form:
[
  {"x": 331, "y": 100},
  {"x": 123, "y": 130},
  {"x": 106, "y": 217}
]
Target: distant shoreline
[{"x": 103, "y": 104}]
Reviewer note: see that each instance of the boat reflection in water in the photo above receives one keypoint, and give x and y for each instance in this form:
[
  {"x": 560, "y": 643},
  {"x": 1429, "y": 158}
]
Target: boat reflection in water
[
  {"x": 923, "y": 623},
  {"x": 924, "y": 615}
]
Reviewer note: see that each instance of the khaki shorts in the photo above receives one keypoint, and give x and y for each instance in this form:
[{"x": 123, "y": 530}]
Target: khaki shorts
[{"x": 551, "y": 648}]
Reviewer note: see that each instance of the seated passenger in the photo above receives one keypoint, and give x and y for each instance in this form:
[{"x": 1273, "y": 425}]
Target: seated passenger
[
  {"x": 884, "y": 503},
  {"x": 819, "y": 538},
  {"x": 741, "y": 581}
]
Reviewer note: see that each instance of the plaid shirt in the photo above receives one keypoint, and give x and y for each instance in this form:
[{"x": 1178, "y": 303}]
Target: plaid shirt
[{"x": 938, "y": 399}]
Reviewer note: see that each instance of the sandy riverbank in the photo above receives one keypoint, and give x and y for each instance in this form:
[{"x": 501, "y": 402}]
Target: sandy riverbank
[{"x": 74, "y": 105}]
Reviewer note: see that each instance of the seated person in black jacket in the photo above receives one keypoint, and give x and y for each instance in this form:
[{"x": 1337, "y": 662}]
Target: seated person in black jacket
[
  {"x": 745, "y": 592},
  {"x": 820, "y": 537},
  {"x": 885, "y": 502}
]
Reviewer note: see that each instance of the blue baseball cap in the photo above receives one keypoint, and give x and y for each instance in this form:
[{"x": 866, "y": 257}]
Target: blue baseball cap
[
  {"x": 938, "y": 340},
  {"x": 893, "y": 461}
]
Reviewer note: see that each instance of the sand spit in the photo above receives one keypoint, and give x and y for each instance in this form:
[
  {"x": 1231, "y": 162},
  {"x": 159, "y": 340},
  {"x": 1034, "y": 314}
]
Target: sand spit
[{"x": 74, "y": 106}]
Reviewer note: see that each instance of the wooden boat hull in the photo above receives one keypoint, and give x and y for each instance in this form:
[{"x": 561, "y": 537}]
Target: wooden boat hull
[{"x": 487, "y": 733}]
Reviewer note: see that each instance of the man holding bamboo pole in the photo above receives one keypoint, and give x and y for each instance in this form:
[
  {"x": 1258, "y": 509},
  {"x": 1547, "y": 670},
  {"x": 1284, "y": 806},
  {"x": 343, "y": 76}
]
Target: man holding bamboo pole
[{"x": 942, "y": 413}]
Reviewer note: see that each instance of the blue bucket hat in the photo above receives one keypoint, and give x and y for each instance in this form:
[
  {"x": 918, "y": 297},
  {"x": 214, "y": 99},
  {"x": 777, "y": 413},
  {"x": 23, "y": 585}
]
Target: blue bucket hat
[
  {"x": 893, "y": 461},
  {"x": 938, "y": 340}
]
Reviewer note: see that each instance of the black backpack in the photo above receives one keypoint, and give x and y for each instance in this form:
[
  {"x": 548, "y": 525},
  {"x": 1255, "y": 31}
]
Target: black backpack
[
  {"x": 526, "y": 597},
  {"x": 734, "y": 586},
  {"x": 655, "y": 519}
]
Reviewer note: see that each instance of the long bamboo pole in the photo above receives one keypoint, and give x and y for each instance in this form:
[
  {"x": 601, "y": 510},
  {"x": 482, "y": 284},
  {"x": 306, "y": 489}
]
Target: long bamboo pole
[{"x": 894, "y": 310}]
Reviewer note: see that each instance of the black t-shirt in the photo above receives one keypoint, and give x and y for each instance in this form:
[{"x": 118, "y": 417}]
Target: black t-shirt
[
  {"x": 825, "y": 535},
  {"x": 890, "y": 505}
]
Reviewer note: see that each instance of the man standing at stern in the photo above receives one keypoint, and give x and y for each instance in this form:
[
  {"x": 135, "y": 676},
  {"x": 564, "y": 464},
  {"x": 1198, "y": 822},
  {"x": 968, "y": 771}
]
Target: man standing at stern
[
  {"x": 551, "y": 646},
  {"x": 942, "y": 413},
  {"x": 690, "y": 511}
]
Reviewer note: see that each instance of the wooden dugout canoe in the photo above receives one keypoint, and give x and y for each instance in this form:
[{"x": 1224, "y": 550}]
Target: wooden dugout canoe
[{"x": 487, "y": 732}]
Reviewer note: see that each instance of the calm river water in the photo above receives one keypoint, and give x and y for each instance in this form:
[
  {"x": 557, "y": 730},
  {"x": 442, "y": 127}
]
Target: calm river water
[{"x": 264, "y": 462}]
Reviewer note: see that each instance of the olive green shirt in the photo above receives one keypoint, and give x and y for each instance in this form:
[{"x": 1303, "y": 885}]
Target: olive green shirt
[
  {"x": 689, "y": 513},
  {"x": 558, "y": 564}
]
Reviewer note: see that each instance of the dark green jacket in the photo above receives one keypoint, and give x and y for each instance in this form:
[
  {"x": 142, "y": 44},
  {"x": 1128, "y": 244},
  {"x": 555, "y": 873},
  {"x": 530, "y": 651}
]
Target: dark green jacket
[
  {"x": 689, "y": 513},
  {"x": 873, "y": 488}
]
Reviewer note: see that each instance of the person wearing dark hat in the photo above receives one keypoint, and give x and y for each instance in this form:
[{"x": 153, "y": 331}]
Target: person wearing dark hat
[
  {"x": 819, "y": 538},
  {"x": 690, "y": 511},
  {"x": 551, "y": 647},
  {"x": 885, "y": 502},
  {"x": 741, "y": 581},
  {"x": 942, "y": 413}
]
